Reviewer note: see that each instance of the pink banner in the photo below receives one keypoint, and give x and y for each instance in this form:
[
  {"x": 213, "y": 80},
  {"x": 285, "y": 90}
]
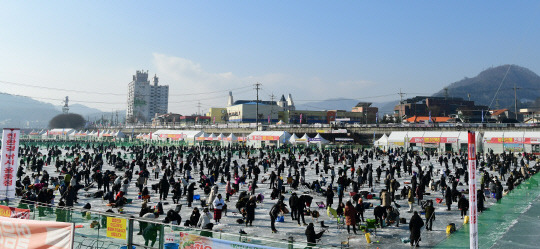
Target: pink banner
[
  {"x": 12, "y": 212},
  {"x": 32, "y": 234},
  {"x": 9, "y": 162}
]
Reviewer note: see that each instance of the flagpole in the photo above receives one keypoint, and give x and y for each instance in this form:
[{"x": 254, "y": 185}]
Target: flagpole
[{"x": 473, "y": 215}]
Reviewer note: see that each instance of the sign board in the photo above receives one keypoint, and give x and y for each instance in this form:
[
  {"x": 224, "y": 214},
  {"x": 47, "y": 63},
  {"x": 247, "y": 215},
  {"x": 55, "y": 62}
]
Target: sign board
[
  {"x": 33, "y": 234},
  {"x": 9, "y": 162},
  {"x": 12, "y": 212},
  {"x": 116, "y": 228},
  {"x": 264, "y": 138}
]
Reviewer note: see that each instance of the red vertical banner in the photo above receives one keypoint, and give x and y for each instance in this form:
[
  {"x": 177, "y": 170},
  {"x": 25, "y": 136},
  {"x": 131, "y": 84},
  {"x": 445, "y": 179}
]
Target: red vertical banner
[
  {"x": 473, "y": 214},
  {"x": 9, "y": 162}
]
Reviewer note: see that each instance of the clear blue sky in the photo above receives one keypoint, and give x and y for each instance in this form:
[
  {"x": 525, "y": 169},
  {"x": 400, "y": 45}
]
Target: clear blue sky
[{"x": 312, "y": 49}]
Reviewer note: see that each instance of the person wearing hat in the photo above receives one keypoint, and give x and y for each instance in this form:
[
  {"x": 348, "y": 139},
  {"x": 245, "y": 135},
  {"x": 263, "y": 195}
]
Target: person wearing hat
[
  {"x": 194, "y": 218},
  {"x": 312, "y": 237},
  {"x": 204, "y": 220},
  {"x": 218, "y": 208}
]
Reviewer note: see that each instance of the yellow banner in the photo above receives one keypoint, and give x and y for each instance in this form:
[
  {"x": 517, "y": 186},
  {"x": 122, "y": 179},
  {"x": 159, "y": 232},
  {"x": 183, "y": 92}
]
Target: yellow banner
[{"x": 116, "y": 228}]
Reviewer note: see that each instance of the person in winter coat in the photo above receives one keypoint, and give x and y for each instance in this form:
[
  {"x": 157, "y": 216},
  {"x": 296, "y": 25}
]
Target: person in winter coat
[
  {"x": 463, "y": 205},
  {"x": 386, "y": 199},
  {"x": 163, "y": 188},
  {"x": 430, "y": 215},
  {"x": 360, "y": 210},
  {"x": 250, "y": 210},
  {"x": 480, "y": 197},
  {"x": 415, "y": 225},
  {"x": 212, "y": 194},
  {"x": 312, "y": 237},
  {"x": 499, "y": 191},
  {"x": 379, "y": 213},
  {"x": 410, "y": 199},
  {"x": 228, "y": 191},
  {"x": 294, "y": 207},
  {"x": 350, "y": 217},
  {"x": 329, "y": 197},
  {"x": 177, "y": 192},
  {"x": 190, "y": 191},
  {"x": 204, "y": 220},
  {"x": 393, "y": 215},
  {"x": 194, "y": 218},
  {"x": 218, "y": 205},
  {"x": 174, "y": 217},
  {"x": 448, "y": 198},
  {"x": 274, "y": 212},
  {"x": 125, "y": 186}
]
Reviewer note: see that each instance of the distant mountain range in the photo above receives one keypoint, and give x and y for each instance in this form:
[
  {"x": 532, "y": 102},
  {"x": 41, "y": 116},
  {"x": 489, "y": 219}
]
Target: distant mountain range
[
  {"x": 25, "y": 112},
  {"x": 483, "y": 87}
]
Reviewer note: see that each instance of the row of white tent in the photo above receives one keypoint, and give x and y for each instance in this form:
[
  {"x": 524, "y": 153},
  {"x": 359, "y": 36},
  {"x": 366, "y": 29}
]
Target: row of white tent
[
  {"x": 72, "y": 133},
  {"x": 257, "y": 138},
  {"x": 498, "y": 142}
]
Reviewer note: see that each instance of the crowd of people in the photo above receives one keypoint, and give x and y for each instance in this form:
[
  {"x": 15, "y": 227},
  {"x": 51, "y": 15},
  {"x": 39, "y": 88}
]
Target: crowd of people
[{"x": 355, "y": 188}]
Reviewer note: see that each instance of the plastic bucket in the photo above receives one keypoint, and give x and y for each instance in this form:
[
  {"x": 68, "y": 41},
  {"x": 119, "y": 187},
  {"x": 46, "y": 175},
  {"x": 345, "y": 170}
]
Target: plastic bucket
[{"x": 171, "y": 246}]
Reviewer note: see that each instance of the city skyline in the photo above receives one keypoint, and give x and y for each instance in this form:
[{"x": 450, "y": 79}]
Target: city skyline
[{"x": 314, "y": 50}]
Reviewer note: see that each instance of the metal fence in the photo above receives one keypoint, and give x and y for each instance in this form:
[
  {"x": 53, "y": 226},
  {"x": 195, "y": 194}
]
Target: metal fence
[{"x": 91, "y": 230}]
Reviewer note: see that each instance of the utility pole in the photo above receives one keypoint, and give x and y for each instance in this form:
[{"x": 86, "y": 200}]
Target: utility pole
[
  {"x": 497, "y": 107},
  {"x": 199, "y": 108},
  {"x": 272, "y": 108},
  {"x": 515, "y": 100},
  {"x": 257, "y": 87},
  {"x": 446, "y": 93},
  {"x": 469, "y": 96},
  {"x": 400, "y": 105}
]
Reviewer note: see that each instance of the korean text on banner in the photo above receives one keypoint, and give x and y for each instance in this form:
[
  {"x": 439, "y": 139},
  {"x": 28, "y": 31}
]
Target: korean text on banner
[
  {"x": 200, "y": 242},
  {"x": 473, "y": 214},
  {"x": 33, "y": 234},
  {"x": 9, "y": 162},
  {"x": 116, "y": 228}
]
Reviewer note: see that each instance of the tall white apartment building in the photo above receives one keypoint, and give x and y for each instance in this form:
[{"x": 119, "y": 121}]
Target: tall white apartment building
[{"x": 145, "y": 98}]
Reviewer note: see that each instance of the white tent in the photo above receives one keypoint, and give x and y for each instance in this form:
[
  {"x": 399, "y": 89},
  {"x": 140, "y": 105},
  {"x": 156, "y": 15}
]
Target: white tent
[
  {"x": 382, "y": 143},
  {"x": 212, "y": 137},
  {"x": 187, "y": 135},
  {"x": 59, "y": 132},
  {"x": 220, "y": 136},
  {"x": 304, "y": 139},
  {"x": 119, "y": 134},
  {"x": 531, "y": 141},
  {"x": 397, "y": 139},
  {"x": 493, "y": 140},
  {"x": 260, "y": 138},
  {"x": 293, "y": 139},
  {"x": 231, "y": 139},
  {"x": 318, "y": 139}
]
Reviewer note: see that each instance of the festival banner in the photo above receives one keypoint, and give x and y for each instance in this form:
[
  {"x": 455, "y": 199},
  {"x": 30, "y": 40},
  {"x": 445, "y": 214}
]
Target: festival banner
[
  {"x": 473, "y": 213},
  {"x": 12, "y": 212},
  {"x": 33, "y": 234},
  {"x": 506, "y": 140},
  {"x": 433, "y": 140},
  {"x": 9, "y": 162},
  {"x": 265, "y": 138},
  {"x": 192, "y": 241},
  {"x": 116, "y": 228}
]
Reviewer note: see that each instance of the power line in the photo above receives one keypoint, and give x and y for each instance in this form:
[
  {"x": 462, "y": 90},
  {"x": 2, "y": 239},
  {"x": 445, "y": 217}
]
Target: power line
[{"x": 109, "y": 93}]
